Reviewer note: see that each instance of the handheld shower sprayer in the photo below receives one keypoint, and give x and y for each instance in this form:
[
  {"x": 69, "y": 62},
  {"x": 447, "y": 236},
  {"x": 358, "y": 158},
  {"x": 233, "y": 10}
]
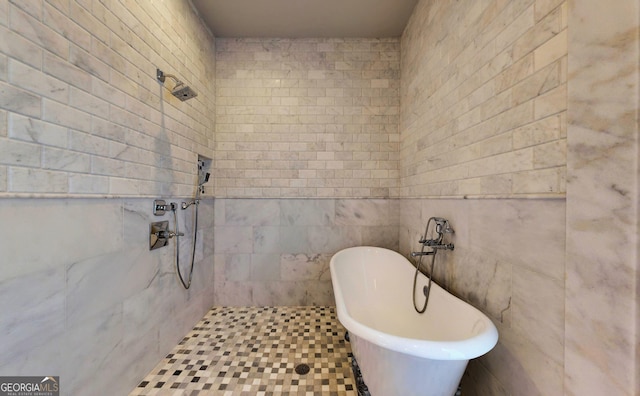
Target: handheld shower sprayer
[{"x": 203, "y": 177}]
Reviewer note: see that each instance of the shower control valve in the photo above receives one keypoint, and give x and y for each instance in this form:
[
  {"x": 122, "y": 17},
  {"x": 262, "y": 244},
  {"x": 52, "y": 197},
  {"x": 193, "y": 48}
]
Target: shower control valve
[
  {"x": 159, "y": 234},
  {"x": 168, "y": 234}
]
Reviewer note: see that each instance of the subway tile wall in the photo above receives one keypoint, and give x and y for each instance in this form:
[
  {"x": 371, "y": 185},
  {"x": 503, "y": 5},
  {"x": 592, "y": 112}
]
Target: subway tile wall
[
  {"x": 81, "y": 110},
  {"x": 483, "y": 115},
  {"x": 307, "y": 118},
  {"x": 484, "y": 99}
]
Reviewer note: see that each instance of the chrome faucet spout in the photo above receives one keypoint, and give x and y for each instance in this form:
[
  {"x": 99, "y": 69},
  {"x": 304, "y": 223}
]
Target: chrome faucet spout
[
  {"x": 431, "y": 242},
  {"x": 448, "y": 246},
  {"x": 185, "y": 205}
]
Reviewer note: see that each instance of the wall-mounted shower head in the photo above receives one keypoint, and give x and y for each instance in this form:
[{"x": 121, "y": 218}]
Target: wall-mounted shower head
[
  {"x": 180, "y": 91},
  {"x": 183, "y": 92}
]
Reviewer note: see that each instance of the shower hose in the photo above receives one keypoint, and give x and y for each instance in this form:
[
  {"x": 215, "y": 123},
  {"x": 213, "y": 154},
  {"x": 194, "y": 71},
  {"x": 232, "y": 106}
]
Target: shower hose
[
  {"x": 187, "y": 284},
  {"x": 415, "y": 276}
]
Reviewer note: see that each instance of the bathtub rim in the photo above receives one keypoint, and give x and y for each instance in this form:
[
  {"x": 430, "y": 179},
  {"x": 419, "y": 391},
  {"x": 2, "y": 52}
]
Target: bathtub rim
[{"x": 466, "y": 349}]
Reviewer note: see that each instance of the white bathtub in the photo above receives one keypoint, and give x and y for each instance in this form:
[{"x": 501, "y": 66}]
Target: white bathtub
[{"x": 399, "y": 351}]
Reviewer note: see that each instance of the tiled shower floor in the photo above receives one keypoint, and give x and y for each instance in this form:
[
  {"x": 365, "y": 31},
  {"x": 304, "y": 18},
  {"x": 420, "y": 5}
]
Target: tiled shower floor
[{"x": 254, "y": 351}]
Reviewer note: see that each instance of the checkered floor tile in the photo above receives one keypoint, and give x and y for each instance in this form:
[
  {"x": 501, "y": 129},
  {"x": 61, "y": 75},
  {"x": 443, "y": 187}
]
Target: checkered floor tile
[{"x": 255, "y": 351}]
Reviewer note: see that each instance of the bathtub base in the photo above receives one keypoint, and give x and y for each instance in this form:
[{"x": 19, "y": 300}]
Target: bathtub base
[
  {"x": 390, "y": 373},
  {"x": 361, "y": 387}
]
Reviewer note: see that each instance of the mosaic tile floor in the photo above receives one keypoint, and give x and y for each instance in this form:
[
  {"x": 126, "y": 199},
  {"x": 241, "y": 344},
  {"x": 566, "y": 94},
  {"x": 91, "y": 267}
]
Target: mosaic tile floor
[{"x": 255, "y": 351}]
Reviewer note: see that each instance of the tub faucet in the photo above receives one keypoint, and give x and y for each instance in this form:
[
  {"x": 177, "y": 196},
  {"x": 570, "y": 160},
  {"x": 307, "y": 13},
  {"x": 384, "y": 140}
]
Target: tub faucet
[
  {"x": 448, "y": 246},
  {"x": 442, "y": 227},
  {"x": 416, "y": 254},
  {"x": 434, "y": 244},
  {"x": 431, "y": 242}
]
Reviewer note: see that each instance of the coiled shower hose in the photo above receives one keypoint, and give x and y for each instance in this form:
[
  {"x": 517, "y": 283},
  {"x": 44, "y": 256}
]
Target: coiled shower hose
[
  {"x": 415, "y": 276},
  {"x": 196, "y": 203}
]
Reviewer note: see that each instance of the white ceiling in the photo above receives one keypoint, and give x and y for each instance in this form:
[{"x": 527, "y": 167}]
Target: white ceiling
[{"x": 305, "y": 18}]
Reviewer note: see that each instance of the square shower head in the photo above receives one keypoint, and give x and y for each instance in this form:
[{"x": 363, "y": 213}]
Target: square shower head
[{"x": 183, "y": 92}]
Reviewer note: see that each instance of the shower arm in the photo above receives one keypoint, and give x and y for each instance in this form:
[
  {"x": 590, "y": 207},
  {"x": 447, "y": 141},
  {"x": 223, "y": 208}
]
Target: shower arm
[{"x": 162, "y": 76}]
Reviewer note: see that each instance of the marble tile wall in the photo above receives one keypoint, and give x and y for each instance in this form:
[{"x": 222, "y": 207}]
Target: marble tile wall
[
  {"x": 603, "y": 266},
  {"x": 483, "y": 117},
  {"x": 277, "y": 251},
  {"x": 483, "y": 95},
  {"x": 81, "y": 111},
  {"x": 84, "y": 298},
  {"x": 308, "y": 118},
  {"x": 84, "y": 124},
  {"x": 508, "y": 261},
  {"x": 558, "y": 276}
]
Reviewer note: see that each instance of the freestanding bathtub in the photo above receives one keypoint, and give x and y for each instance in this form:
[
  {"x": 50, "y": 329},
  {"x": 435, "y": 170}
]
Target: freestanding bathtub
[{"x": 401, "y": 352}]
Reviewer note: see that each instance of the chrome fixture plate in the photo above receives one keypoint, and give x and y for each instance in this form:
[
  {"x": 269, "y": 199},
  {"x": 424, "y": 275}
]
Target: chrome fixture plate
[
  {"x": 159, "y": 207},
  {"x": 156, "y": 229}
]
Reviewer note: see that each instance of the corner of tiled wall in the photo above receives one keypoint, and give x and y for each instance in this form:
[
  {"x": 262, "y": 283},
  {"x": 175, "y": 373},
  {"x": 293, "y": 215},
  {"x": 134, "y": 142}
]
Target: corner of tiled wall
[
  {"x": 88, "y": 137},
  {"x": 483, "y": 129}
]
